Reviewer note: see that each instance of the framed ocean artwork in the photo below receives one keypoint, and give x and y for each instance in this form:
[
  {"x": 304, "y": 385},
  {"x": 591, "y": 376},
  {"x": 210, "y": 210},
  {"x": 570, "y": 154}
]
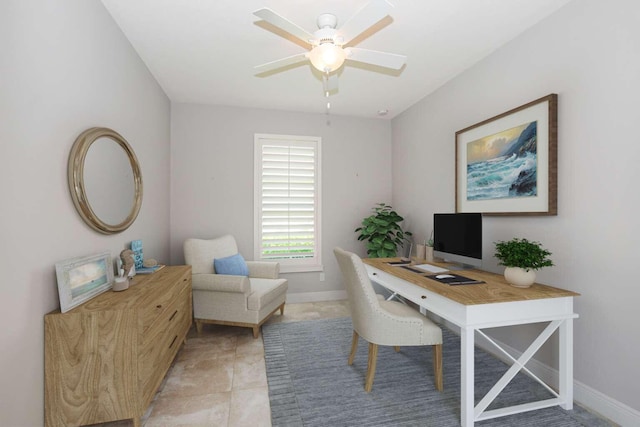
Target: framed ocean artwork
[
  {"x": 80, "y": 279},
  {"x": 507, "y": 165}
]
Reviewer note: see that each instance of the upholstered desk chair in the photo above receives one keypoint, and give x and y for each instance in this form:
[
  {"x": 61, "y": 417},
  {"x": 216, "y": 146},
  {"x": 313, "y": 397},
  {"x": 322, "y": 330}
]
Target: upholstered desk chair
[
  {"x": 383, "y": 322},
  {"x": 247, "y": 295}
]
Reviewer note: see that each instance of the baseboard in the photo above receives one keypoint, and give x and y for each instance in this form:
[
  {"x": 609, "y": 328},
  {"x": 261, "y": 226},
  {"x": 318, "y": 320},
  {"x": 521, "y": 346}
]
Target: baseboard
[
  {"x": 299, "y": 297},
  {"x": 604, "y": 405},
  {"x": 585, "y": 396}
]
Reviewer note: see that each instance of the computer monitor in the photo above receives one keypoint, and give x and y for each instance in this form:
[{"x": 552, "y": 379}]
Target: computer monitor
[{"x": 457, "y": 238}]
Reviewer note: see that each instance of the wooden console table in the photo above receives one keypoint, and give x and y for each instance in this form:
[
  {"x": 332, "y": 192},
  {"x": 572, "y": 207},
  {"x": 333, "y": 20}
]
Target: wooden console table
[
  {"x": 494, "y": 303},
  {"x": 105, "y": 359}
]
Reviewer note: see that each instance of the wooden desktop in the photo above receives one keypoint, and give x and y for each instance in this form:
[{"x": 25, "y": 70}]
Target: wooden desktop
[{"x": 494, "y": 290}]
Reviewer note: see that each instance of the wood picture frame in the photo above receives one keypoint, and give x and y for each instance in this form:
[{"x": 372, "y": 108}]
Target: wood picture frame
[
  {"x": 508, "y": 164},
  {"x": 80, "y": 279}
]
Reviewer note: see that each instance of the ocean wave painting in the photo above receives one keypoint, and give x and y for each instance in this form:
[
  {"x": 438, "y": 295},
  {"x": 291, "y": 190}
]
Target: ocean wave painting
[
  {"x": 503, "y": 165},
  {"x": 87, "y": 277}
]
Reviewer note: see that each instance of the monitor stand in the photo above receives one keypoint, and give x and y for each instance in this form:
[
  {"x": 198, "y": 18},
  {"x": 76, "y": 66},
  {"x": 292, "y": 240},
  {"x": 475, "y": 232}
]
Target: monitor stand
[{"x": 457, "y": 266}]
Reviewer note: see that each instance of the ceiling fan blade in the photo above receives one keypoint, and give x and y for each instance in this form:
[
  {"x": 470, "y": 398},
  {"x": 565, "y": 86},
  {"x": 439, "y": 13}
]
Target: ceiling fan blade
[
  {"x": 369, "y": 15},
  {"x": 330, "y": 83},
  {"x": 283, "y": 23},
  {"x": 279, "y": 63},
  {"x": 373, "y": 57}
]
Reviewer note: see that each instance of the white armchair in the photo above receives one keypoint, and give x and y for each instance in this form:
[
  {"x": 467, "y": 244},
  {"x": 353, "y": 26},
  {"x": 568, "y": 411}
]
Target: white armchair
[{"x": 222, "y": 299}]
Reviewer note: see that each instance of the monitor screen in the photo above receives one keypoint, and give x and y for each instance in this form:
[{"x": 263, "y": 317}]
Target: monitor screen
[{"x": 457, "y": 237}]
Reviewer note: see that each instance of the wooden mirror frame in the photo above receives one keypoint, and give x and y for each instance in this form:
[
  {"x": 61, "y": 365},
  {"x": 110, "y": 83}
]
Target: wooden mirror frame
[{"x": 75, "y": 172}]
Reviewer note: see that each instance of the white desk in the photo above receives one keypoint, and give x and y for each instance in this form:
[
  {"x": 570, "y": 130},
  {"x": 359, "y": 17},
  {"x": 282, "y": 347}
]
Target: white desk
[{"x": 488, "y": 305}]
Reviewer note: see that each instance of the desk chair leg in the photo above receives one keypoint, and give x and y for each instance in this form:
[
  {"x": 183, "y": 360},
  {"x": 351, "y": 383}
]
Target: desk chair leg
[
  {"x": 371, "y": 366},
  {"x": 354, "y": 347},
  {"x": 437, "y": 366}
]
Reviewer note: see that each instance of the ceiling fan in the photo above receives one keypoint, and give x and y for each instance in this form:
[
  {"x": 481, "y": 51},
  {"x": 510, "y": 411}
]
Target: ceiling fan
[{"x": 329, "y": 47}]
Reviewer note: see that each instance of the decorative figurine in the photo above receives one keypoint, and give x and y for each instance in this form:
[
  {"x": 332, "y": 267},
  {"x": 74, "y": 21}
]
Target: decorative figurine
[{"x": 128, "y": 264}]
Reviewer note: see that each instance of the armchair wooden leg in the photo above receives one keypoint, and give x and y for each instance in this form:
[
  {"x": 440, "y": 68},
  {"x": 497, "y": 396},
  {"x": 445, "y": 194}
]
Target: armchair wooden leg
[
  {"x": 198, "y": 327},
  {"x": 282, "y": 310},
  {"x": 396, "y": 348},
  {"x": 437, "y": 366},
  {"x": 354, "y": 347},
  {"x": 256, "y": 331},
  {"x": 371, "y": 366}
]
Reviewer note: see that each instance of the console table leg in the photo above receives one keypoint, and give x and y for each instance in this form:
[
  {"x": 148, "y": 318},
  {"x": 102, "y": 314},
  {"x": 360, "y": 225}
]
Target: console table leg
[
  {"x": 467, "y": 377},
  {"x": 566, "y": 364}
]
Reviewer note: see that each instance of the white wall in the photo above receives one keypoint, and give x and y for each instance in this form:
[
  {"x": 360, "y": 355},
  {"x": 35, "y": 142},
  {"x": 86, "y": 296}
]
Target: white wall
[
  {"x": 64, "y": 68},
  {"x": 588, "y": 54},
  {"x": 212, "y": 177}
]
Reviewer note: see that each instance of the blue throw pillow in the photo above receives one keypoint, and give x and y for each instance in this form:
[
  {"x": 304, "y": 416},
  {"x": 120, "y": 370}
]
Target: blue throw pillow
[{"x": 234, "y": 265}]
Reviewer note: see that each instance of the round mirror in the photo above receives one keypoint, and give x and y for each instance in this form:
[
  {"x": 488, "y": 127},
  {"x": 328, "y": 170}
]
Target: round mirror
[{"x": 105, "y": 180}]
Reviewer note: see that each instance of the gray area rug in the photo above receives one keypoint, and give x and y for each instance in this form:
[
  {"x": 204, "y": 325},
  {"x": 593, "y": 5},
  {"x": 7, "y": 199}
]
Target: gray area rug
[{"x": 310, "y": 383}]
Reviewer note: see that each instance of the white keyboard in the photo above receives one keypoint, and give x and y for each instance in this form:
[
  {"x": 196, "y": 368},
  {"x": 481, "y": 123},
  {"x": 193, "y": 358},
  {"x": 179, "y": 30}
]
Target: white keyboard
[{"x": 430, "y": 268}]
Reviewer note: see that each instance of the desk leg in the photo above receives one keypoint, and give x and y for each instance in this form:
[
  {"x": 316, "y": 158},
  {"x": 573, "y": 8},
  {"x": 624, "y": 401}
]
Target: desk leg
[
  {"x": 467, "y": 376},
  {"x": 566, "y": 364}
]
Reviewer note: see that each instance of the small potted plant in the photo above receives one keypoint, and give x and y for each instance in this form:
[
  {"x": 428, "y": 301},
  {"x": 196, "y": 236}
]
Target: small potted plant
[
  {"x": 382, "y": 232},
  {"x": 428, "y": 248},
  {"x": 521, "y": 258}
]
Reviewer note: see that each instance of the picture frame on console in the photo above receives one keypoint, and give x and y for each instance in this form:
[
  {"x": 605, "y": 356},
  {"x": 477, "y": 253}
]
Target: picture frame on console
[
  {"x": 507, "y": 165},
  {"x": 80, "y": 279}
]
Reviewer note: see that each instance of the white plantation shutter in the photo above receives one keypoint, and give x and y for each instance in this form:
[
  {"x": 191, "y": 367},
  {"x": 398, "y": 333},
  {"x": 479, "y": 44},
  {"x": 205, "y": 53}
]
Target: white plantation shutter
[{"x": 287, "y": 201}]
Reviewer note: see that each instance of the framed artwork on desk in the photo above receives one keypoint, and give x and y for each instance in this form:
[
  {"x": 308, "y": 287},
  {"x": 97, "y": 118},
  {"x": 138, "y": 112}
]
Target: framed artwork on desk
[{"x": 507, "y": 165}]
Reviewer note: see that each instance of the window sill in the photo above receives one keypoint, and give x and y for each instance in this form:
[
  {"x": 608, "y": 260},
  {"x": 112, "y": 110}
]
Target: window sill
[{"x": 300, "y": 268}]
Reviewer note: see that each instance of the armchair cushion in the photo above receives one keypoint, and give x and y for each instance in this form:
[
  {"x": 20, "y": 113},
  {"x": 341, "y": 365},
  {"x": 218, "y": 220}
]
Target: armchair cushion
[
  {"x": 233, "y": 265},
  {"x": 264, "y": 291}
]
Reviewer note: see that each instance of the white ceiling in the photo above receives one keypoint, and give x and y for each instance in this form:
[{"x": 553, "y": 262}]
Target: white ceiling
[{"x": 204, "y": 51}]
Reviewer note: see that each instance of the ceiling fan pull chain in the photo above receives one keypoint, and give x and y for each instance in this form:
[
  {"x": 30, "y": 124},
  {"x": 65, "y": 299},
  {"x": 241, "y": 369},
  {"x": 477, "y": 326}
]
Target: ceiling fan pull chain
[{"x": 325, "y": 84}]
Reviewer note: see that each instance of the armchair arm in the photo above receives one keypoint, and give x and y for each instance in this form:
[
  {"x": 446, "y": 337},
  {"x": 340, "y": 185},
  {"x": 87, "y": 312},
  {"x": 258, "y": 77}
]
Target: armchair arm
[
  {"x": 220, "y": 283},
  {"x": 263, "y": 269}
]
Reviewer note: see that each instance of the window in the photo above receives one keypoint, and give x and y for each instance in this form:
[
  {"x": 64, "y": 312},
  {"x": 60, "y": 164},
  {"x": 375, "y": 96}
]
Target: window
[{"x": 287, "y": 201}]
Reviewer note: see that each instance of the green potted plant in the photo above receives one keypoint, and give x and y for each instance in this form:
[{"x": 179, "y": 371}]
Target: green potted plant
[
  {"x": 521, "y": 258},
  {"x": 382, "y": 232}
]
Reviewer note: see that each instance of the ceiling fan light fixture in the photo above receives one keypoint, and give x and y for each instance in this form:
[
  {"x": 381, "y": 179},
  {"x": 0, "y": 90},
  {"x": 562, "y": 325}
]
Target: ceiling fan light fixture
[{"x": 327, "y": 57}]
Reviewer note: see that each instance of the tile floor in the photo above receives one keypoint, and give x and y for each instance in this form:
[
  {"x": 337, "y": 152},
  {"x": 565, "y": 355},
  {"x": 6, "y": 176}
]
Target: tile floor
[{"x": 219, "y": 377}]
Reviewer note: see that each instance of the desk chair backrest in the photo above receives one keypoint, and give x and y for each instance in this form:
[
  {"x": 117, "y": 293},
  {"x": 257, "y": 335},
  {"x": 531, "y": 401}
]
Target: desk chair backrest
[{"x": 365, "y": 308}]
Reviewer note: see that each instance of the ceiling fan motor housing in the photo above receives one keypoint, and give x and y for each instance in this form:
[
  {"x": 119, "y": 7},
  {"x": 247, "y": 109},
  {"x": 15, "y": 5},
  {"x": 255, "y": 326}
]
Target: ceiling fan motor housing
[
  {"x": 327, "y": 20},
  {"x": 325, "y": 35},
  {"x": 327, "y": 30}
]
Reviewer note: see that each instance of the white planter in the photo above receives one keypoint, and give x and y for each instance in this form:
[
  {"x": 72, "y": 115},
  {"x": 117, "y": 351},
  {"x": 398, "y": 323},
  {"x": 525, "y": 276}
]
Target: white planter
[{"x": 518, "y": 277}]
